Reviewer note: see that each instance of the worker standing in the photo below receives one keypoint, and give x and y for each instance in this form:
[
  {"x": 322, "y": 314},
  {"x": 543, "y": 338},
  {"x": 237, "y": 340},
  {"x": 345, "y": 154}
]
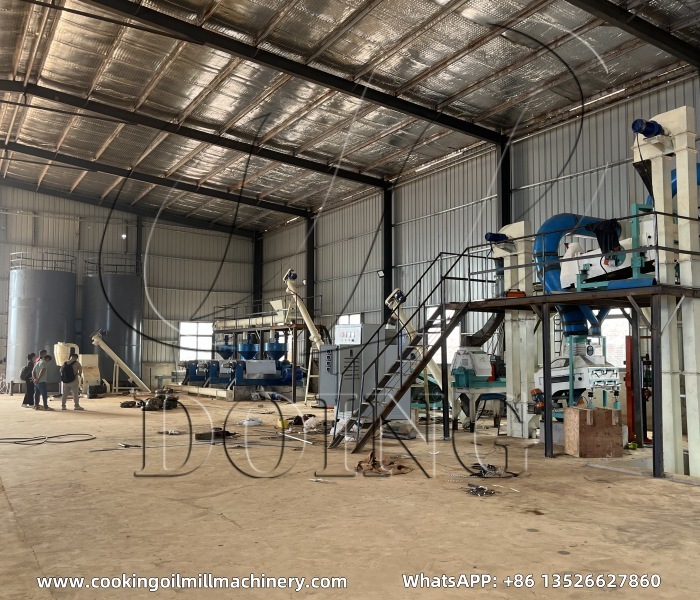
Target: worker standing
[
  {"x": 26, "y": 376},
  {"x": 39, "y": 378},
  {"x": 71, "y": 371}
]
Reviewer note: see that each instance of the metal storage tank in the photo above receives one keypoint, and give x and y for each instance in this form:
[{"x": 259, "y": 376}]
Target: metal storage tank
[
  {"x": 122, "y": 321},
  {"x": 41, "y": 308}
]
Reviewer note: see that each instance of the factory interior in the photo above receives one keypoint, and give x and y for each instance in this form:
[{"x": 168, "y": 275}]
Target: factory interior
[{"x": 349, "y": 299}]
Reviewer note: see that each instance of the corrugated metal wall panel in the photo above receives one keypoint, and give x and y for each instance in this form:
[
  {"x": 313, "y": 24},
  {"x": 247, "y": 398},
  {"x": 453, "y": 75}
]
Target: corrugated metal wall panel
[
  {"x": 348, "y": 255},
  {"x": 183, "y": 305},
  {"x": 355, "y": 220},
  {"x": 585, "y": 166},
  {"x": 179, "y": 242},
  {"x": 196, "y": 274},
  {"x": 181, "y": 266},
  {"x": 283, "y": 249},
  {"x": 446, "y": 211}
]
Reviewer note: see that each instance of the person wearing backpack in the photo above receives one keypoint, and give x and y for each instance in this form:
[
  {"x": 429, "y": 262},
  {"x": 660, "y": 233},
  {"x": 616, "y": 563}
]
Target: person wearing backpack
[
  {"x": 39, "y": 379},
  {"x": 26, "y": 375},
  {"x": 71, "y": 370}
]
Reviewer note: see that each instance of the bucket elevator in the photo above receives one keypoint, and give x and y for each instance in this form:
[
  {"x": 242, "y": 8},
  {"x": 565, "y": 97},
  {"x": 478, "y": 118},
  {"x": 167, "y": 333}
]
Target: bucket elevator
[{"x": 647, "y": 262}]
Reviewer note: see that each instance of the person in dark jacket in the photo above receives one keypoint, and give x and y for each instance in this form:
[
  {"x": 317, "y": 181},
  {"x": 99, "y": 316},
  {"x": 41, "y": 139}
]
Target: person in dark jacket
[{"x": 28, "y": 401}]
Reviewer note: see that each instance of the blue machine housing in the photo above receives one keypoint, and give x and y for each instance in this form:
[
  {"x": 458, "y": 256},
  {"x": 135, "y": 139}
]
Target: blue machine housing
[
  {"x": 546, "y": 253},
  {"x": 206, "y": 372}
]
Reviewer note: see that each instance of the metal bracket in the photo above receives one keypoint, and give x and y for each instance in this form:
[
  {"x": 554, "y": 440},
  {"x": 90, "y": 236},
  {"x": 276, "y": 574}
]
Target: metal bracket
[
  {"x": 642, "y": 316},
  {"x": 628, "y": 317},
  {"x": 673, "y": 314}
]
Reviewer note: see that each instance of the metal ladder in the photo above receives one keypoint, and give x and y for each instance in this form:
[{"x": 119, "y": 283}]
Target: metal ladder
[
  {"x": 558, "y": 334},
  {"x": 311, "y": 373},
  {"x": 399, "y": 377}
]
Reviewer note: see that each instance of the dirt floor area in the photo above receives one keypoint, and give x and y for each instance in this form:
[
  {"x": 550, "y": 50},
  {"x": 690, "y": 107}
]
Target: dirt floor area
[{"x": 85, "y": 509}]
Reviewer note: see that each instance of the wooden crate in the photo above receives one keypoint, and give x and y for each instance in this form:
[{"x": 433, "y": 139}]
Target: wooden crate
[{"x": 592, "y": 432}]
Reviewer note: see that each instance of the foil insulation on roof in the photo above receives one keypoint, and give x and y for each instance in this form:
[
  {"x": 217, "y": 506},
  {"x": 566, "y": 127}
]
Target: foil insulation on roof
[{"x": 212, "y": 90}]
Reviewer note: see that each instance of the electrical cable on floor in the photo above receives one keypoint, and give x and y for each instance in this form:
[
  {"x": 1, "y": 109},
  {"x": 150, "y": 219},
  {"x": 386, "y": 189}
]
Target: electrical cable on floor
[{"x": 49, "y": 439}]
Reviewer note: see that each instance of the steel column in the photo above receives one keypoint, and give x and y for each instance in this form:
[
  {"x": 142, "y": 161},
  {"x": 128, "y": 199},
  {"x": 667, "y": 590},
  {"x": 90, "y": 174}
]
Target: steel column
[
  {"x": 445, "y": 385},
  {"x": 138, "y": 252},
  {"x": 547, "y": 370},
  {"x": 257, "y": 272},
  {"x": 657, "y": 398},
  {"x": 388, "y": 247},
  {"x": 310, "y": 277},
  {"x": 636, "y": 370},
  {"x": 504, "y": 184}
]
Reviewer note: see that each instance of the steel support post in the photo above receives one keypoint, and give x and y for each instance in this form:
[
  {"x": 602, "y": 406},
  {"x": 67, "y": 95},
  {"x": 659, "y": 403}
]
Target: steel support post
[
  {"x": 547, "y": 366},
  {"x": 257, "y": 272},
  {"x": 445, "y": 383},
  {"x": 636, "y": 371},
  {"x": 504, "y": 183},
  {"x": 310, "y": 281},
  {"x": 388, "y": 247}
]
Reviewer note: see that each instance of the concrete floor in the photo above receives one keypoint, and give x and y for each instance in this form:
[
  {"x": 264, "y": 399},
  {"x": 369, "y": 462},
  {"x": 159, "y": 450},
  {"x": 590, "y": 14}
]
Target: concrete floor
[{"x": 66, "y": 511}]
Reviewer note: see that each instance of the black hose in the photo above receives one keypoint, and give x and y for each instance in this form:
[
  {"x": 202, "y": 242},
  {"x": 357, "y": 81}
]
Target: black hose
[{"x": 49, "y": 439}]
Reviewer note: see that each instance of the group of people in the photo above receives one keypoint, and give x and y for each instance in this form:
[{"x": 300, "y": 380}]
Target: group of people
[{"x": 34, "y": 375}]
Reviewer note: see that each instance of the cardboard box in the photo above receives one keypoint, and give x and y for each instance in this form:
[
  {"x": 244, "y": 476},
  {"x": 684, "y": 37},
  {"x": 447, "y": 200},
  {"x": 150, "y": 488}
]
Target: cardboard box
[{"x": 592, "y": 432}]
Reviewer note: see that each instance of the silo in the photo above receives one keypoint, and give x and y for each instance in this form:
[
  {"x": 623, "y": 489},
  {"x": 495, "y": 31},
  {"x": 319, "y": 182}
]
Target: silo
[
  {"x": 41, "y": 308},
  {"x": 117, "y": 310}
]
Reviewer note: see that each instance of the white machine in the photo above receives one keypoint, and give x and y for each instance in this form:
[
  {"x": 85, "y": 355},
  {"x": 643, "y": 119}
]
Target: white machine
[
  {"x": 91, "y": 371},
  {"x": 590, "y": 265},
  {"x": 588, "y": 373}
]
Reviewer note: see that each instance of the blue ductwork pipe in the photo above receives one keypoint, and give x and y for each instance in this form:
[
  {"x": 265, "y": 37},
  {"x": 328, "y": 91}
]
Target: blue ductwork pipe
[
  {"x": 674, "y": 185},
  {"x": 546, "y": 252}
]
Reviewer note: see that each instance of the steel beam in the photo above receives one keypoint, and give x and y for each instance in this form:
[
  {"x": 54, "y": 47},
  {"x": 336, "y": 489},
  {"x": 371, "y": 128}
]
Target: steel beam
[
  {"x": 259, "y": 56},
  {"x": 445, "y": 11},
  {"x": 337, "y": 33},
  {"x": 89, "y": 165},
  {"x": 593, "y": 63},
  {"x": 641, "y": 29},
  {"x": 134, "y": 118},
  {"x": 513, "y": 67},
  {"x": 133, "y": 210},
  {"x": 493, "y": 33}
]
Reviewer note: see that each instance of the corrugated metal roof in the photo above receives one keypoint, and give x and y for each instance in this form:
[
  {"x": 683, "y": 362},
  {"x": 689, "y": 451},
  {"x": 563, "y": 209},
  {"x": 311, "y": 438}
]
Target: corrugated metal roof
[{"x": 479, "y": 60}]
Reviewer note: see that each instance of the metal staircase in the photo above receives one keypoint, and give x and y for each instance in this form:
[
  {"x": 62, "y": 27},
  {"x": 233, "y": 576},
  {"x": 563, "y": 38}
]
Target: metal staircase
[
  {"x": 400, "y": 376},
  {"x": 413, "y": 357}
]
